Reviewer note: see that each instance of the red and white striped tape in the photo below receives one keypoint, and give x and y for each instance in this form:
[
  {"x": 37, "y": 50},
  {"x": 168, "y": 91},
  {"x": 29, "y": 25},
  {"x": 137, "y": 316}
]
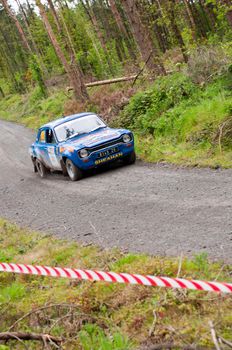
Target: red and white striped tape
[{"x": 117, "y": 277}]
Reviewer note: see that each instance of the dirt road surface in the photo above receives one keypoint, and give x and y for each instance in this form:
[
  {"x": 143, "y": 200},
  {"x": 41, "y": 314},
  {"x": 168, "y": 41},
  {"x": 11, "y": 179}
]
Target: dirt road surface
[{"x": 160, "y": 210}]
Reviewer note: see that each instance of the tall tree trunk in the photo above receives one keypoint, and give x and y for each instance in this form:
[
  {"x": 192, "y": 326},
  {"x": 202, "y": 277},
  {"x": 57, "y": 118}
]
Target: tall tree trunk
[
  {"x": 198, "y": 20},
  {"x": 204, "y": 12},
  {"x": 30, "y": 9},
  {"x": 3, "y": 33},
  {"x": 190, "y": 16},
  {"x": 122, "y": 28},
  {"x": 17, "y": 24},
  {"x": 67, "y": 35},
  {"x": 34, "y": 46},
  {"x": 209, "y": 9},
  {"x": 55, "y": 16},
  {"x": 10, "y": 69},
  {"x": 69, "y": 47},
  {"x": 176, "y": 30},
  {"x": 73, "y": 71},
  {"x": 117, "y": 17},
  {"x": 143, "y": 38},
  {"x": 229, "y": 17},
  {"x": 228, "y": 8},
  {"x": 98, "y": 31},
  {"x": 2, "y": 95}
]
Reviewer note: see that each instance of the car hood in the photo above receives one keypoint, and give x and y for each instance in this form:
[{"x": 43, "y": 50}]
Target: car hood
[{"x": 95, "y": 138}]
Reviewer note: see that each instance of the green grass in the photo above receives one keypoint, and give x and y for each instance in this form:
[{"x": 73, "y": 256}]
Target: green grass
[
  {"x": 180, "y": 122},
  {"x": 32, "y": 110},
  {"x": 101, "y": 315}
]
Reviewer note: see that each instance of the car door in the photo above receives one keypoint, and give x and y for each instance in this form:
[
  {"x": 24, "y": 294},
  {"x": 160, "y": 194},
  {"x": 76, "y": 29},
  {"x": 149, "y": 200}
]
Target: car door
[
  {"x": 41, "y": 148},
  {"x": 52, "y": 149}
]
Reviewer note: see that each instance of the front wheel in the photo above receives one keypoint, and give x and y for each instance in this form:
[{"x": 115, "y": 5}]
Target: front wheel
[
  {"x": 74, "y": 173},
  {"x": 130, "y": 159},
  {"x": 41, "y": 168}
]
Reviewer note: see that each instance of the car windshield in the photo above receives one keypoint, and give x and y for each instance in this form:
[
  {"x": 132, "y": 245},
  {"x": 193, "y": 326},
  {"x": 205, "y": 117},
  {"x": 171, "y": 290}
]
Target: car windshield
[{"x": 78, "y": 126}]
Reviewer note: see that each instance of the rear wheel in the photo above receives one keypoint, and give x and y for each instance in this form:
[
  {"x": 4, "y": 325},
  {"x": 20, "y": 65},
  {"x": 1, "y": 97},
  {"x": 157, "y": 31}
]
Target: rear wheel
[
  {"x": 130, "y": 159},
  {"x": 41, "y": 168},
  {"x": 74, "y": 173}
]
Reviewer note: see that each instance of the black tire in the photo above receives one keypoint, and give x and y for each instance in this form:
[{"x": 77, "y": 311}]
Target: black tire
[
  {"x": 34, "y": 165},
  {"x": 41, "y": 168},
  {"x": 74, "y": 173},
  {"x": 130, "y": 159}
]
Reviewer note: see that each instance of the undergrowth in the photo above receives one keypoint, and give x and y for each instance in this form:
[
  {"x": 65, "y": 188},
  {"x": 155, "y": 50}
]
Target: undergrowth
[
  {"x": 177, "y": 119},
  {"x": 181, "y": 122},
  {"x": 100, "y": 315}
]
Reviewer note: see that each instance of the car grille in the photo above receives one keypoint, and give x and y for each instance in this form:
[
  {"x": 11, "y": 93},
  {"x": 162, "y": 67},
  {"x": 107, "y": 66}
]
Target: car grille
[{"x": 104, "y": 145}]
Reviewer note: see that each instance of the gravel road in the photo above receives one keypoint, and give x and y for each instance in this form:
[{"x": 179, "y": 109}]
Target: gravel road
[{"x": 141, "y": 208}]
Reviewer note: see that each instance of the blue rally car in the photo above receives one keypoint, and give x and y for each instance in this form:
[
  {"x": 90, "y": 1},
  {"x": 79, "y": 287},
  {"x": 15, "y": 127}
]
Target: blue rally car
[{"x": 77, "y": 143}]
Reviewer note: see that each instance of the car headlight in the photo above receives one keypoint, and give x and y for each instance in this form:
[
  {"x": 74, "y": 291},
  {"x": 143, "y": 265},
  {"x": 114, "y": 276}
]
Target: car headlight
[
  {"x": 126, "y": 138},
  {"x": 83, "y": 153}
]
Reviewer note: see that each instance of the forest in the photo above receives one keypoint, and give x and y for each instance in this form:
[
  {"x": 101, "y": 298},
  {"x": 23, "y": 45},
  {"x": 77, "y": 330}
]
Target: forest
[
  {"x": 163, "y": 69},
  {"x": 174, "y": 54}
]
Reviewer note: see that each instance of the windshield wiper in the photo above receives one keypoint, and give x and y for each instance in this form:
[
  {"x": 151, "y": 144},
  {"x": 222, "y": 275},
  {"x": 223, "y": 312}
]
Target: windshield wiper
[
  {"x": 99, "y": 127},
  {"x": 76, "y": 134}
]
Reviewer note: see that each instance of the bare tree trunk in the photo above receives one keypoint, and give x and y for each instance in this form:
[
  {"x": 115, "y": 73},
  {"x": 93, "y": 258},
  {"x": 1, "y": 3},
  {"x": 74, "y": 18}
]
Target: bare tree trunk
[
  {"x": 143, "y": 39},
  {"x": 2, "y": 95},
  {"x": 55, "y": 16},
  {"x": 198, "y": 20},
  {"x": 209, "y": 9},
  {"x": 122, "y": 27},
  {"x": 190, "y": 17},
  {"x": 60, "y": 26},
  {"x": 73, "y": 71},
  {"x": 30, "y": 9},
  {"x": 228, "y": 10},
  {"x": 117, "y": 17},
  {"x": 17, "y": 24},
  {"x": 205, "y": 16},
  {"x": 176, "y": 30},
  {"x": 98, "y": 31},
  {"x": 10, "y": 69},
  {"x": 229, "y": 17},
  {"x": 36, "y": 50},
  {"x": 68, "y": 39}
]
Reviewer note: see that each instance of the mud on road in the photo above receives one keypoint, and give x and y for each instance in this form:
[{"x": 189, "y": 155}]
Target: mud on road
[{"x": 141, "y": 208}]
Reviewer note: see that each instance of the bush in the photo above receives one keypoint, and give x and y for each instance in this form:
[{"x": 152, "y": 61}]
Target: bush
[
  {"x": 92, "y": 337},
  {"x": 146, "y": 108},
  {"x": 207, "y": 61}
]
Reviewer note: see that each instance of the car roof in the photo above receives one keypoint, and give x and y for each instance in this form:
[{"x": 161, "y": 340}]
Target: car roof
[{"x": 62, "y": 120}]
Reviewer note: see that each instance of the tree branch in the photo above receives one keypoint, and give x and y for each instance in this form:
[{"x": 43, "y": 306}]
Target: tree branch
[
  {"x": 40, "y": 309},
  {"x": 29, "y": 336},
  {"x": 214, "y": 336}
]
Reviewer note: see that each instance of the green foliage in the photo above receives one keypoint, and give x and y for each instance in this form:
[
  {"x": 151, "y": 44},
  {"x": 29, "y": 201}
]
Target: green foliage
[
  {"x": 201, "y": 261},
  {"x": 145, "y": 108},
  {"x": 93, "y": 338},
  {"x": 179, "y": 121},
  {"x": 19, "y": 83},
  {"x": 33, "y": 109},
  {"x": 37, "y": 76},
  {"x": 12, "y": 293}
]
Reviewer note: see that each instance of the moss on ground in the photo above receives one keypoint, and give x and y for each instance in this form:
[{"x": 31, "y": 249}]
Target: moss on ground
[{"x": 101, "y": 315}]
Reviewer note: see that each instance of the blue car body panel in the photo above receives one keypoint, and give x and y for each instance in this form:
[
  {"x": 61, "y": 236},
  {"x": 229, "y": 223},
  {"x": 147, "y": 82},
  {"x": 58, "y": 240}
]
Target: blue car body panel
[{"x": 104, "y": 145}]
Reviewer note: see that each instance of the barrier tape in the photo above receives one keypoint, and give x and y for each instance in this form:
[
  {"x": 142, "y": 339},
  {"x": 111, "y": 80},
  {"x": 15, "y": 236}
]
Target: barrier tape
[{"x": 127, "y": 278}]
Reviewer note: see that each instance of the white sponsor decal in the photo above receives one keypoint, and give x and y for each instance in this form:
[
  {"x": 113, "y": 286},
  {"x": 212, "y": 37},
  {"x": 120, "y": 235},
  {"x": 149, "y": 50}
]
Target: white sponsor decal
[{"x": 53, "y": 158}]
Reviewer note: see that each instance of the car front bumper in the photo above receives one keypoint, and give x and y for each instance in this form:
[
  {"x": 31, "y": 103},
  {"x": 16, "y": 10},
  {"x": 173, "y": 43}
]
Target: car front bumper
[{"x": 103, "y": 156}]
